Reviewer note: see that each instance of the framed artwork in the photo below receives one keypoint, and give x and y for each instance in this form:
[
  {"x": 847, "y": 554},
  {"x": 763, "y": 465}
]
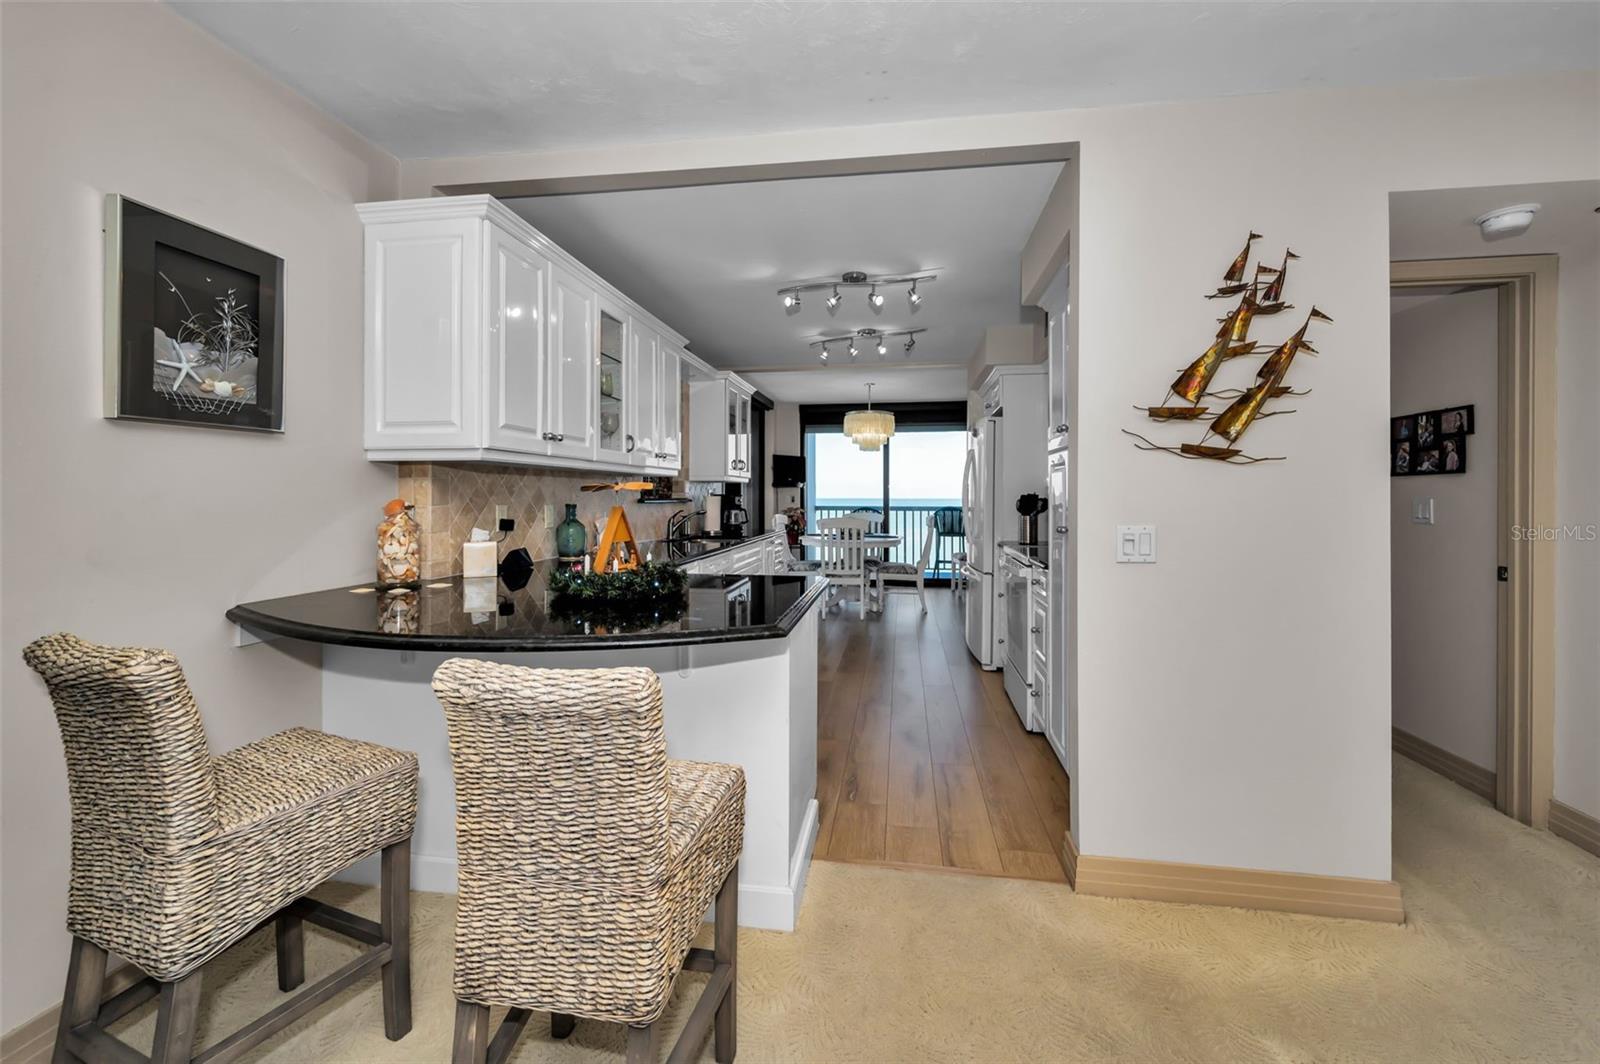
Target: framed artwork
[
  {"x": 1430, "y": 442},
  {"x": 193, "y": 323}
]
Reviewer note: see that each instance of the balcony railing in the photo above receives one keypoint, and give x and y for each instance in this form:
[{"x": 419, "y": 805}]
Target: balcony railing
[{"x": 910, "y": 523}]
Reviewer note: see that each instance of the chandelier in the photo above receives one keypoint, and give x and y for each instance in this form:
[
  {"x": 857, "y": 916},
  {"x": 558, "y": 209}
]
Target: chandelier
[{"x": 869, "y": 429}]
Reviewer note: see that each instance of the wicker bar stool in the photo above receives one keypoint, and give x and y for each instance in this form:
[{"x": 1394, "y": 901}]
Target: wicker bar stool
[
  {"x": 586, "y": 859},
  {"x": 177, "y": 855}
]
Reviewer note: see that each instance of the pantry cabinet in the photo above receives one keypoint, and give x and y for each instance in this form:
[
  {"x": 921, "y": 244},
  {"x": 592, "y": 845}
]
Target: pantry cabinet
[{"x": 485, "y": 341}]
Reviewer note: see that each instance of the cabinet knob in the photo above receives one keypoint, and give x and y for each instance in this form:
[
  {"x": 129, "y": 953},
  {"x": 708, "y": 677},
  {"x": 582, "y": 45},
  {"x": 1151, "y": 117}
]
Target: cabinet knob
[
  {"x": 1036, "y": 630},
  {"x": 1061, "y": 428},
  {"x": 1061, "y": 529}
]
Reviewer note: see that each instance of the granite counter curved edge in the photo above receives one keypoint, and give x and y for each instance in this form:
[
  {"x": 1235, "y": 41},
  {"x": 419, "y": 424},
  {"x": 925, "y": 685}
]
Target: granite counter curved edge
[{"x": 484, "y": 615}]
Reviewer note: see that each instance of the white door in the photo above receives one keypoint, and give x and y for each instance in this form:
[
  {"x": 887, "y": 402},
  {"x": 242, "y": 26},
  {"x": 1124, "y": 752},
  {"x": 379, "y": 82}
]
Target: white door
[
  {"x": 423, "y": 298},
  {"x": 1058, "y": 313},
  {"x": 644, "y": 443},
  {"x": 669, "y": 419},
  {"x": 518, "y": 282},
  {"x": 1060, "y": 645},
  {"x": 570, "y": 371}
]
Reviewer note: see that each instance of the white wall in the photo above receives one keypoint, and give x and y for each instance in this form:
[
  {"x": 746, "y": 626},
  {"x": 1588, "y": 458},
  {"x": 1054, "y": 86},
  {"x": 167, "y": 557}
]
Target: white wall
[
  {"x": 1444, "y": 352},
  {"x": 134, "y": 533},
  {"x": 1234, "y": 698},
  {"x": 1418, "y": 233}
]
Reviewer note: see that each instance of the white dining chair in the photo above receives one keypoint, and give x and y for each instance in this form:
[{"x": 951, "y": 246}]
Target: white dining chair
[
  {"x": 842, "y": 553},
  {"x": 906, "y": 576}
]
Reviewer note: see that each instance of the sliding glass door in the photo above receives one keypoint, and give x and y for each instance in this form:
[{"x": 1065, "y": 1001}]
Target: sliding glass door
[{"x": 916, "y": 475}]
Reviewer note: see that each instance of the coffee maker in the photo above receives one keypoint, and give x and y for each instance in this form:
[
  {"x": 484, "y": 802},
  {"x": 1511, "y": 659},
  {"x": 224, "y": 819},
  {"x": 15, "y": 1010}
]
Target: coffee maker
[
  {"x": 734, "y": 516},
  {"x": 1030, "y": 506}
]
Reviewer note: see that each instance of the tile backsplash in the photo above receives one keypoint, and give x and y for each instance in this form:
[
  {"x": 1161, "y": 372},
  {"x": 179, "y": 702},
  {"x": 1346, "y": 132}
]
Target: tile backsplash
[{"x": 453, "y": 498}]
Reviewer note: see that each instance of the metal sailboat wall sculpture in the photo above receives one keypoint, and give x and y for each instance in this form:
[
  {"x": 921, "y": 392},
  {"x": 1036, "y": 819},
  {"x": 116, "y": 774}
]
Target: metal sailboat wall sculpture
[{"x": 1261, "y": 296}]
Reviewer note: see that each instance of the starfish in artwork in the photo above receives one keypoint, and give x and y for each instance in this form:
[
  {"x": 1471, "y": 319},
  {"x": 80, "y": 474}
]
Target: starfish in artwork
[{"x": 182, "y": 364}]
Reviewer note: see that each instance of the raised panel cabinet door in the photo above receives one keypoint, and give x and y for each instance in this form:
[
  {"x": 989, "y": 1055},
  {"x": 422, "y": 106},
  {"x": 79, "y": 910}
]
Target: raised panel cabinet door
[
  {"x": 1060, "y": 607},
  {"x": 519, "y": 280},
  {"x": 1058, "y": 312},
  {"x": 614, "y": 384},
  {"x": 669, "y": 406},
  {"x": 570, "y": 369},
  {"x": 424, "y": 291},
  {"x": 643, "y": 403},
  {"x": 732, "y": 453}
]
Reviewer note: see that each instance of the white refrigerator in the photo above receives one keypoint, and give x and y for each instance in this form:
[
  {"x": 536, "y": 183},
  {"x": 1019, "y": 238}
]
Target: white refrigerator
[{"x": 978, "y": 517}]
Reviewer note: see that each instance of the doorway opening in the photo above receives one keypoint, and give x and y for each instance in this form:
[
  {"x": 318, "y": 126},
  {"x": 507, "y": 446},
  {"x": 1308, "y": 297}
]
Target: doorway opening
[{"x": 1472, "y": 460}]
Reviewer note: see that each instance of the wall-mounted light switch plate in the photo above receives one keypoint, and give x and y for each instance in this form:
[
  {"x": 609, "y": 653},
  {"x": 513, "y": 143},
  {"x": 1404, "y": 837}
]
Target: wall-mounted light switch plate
[
  {"x": 501, "y": 512},
  {"x": 549, "y": 515},
  {"x": 1136, "y": 544},
  {"x": 1422, "y": 511}
]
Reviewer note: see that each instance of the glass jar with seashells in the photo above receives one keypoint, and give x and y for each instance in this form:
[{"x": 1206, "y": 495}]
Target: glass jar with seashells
[{"x": 399, "y": 546}]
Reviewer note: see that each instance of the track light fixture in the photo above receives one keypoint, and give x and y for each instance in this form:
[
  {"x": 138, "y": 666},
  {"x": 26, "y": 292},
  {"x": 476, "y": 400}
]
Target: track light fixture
[
  {"x": 790, "y": 293},
  {"x": 878, "y": 338}
]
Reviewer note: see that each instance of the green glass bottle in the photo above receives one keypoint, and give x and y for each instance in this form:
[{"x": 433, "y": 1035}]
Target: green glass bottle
[{"x": 572, "y": 541}]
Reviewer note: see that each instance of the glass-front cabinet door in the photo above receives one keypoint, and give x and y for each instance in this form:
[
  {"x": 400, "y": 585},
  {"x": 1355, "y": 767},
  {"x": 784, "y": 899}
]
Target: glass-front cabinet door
[
  {"x": 733, "y": 431},
  {"x": 611, "y": 384}
]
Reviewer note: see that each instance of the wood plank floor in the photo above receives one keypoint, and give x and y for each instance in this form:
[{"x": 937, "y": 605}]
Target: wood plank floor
[{"x": 920, "y": 758}]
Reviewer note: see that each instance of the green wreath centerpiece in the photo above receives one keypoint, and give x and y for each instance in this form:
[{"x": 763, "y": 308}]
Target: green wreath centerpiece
[{"x": 651, "y": 584}]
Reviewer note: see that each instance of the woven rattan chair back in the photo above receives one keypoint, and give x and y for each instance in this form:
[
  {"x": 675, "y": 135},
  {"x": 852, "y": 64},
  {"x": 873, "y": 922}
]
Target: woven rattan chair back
[
  {"x": 560, "y": 774},
  {"x": 138, "y": 767}
]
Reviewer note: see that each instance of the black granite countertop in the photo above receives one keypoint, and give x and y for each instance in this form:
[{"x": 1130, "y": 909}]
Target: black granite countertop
[
  {"x": 1037, "y": 553},
  {"x": 484, "y": 614}
]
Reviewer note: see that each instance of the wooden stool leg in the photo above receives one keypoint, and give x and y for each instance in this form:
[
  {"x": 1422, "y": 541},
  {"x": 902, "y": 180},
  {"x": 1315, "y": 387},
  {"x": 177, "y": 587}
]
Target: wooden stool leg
[
  {"x": 175, "y": 1021},
  {"x": 471, "y": 1045},
  {"x": 644, "y": 1043},
  {"x": 396, "y": 917},
  {"x": 725, "y": 949},
  {"x": 291, "y": 940},
  {"x": 86, "y": 980},
  {"x": 561, "y": 1024}
]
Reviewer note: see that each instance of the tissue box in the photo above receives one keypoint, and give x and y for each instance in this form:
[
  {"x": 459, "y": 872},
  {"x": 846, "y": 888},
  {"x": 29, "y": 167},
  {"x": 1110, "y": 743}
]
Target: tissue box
[
  {"x": 479, "y": 594},
  {"x": 480, "y": 559}
]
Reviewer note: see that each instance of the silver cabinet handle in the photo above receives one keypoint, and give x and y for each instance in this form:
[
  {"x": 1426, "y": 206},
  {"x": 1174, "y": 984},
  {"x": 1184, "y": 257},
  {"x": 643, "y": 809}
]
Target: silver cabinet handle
[
  {"x": 1036, "y": 630},
  {"x": 629, "y": 439},
  {"x": 1061, "y": 428},
  {"x": 1061, "y": 529},
  {"x": 560, "y": 436}
]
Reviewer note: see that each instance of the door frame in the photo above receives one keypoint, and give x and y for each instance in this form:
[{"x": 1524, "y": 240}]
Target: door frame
[{"x": 1524, "y": 747}]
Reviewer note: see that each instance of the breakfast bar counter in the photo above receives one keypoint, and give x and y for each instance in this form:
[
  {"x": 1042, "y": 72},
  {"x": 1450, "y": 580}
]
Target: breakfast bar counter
[{"x": 737, "y": 661}]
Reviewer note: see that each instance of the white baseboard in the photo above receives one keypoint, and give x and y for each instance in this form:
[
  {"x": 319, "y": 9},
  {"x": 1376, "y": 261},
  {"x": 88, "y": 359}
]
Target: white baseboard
[{"x": 770, "y": 908}]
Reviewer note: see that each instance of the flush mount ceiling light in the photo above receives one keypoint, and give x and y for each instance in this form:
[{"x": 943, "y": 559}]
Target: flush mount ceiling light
[
  {"x": 869, "y": 429},
  {"x": 790, "y": 293},
  {"x": 879, "y": 338},
  {"x": 1507, "y": 221}
]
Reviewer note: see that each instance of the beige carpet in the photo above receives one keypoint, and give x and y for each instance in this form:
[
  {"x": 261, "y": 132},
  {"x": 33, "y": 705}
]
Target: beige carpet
[{"x": 1500, "y": 961}]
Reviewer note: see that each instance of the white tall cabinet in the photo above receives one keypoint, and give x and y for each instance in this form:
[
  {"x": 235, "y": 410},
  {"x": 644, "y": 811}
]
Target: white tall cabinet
[
  {"x": 486, "y": 341},
  {"x": 719, "y": 428},
  {"x": 1058, "y": 708}
]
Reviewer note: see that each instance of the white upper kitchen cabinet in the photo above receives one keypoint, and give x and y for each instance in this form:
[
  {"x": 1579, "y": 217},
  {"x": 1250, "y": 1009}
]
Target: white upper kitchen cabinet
[
  {"x": 486, "y": 341},
  {"x": 1058, "y": 338},
  {"x": 669, "y": 418},
  {"x": 644, "y": 405},
  {"x": 719, "y": 428}
]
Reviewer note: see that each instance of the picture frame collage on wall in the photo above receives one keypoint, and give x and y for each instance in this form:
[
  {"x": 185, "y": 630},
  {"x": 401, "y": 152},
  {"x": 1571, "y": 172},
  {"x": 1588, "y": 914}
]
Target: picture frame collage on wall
[
  {"x": 193, "y": 323},
  {"x": 1430, "y": 442}
]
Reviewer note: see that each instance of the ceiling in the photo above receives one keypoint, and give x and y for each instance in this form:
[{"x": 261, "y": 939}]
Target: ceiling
[
  {"x": 427, "y": 80},
  {"x": 1438, "y": 223},
  {"x": 894, "y": 384},
  {"x": 709, "y": 260}
]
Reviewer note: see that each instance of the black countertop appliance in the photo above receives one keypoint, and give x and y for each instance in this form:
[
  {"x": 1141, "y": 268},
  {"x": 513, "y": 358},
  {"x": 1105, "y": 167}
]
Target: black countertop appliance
[{"x": 1030, "y": 506}]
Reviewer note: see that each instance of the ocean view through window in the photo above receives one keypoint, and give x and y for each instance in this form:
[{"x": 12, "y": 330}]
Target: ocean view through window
[{"x": 915, "y": 475}]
